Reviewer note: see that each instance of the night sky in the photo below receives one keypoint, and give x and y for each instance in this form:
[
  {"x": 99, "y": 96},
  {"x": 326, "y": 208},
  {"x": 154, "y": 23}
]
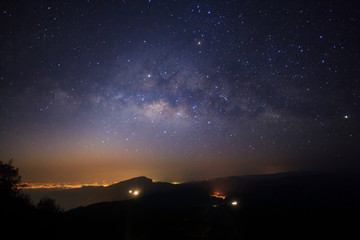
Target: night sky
[{"x": 178, "y": 90}]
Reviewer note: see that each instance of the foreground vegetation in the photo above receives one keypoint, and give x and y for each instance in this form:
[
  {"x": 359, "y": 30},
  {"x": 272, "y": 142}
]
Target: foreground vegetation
[{"x": 287, "y": 205}]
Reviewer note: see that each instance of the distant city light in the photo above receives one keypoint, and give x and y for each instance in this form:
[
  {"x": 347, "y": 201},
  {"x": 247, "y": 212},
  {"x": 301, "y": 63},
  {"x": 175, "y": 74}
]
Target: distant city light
[
  {"x": 134, "y": 192},
  {"x": 175, "y": 182},
  {"x": 234, "y": 203}
]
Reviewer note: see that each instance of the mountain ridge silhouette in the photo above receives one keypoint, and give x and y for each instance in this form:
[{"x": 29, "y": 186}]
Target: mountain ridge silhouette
[{"x": 86, "y": 195}]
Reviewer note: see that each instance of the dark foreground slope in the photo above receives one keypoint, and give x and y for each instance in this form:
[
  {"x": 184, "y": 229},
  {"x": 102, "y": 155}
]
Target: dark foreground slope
[
  {"x": 286, "y": 205},
  {"x": 290, "y": 205}
]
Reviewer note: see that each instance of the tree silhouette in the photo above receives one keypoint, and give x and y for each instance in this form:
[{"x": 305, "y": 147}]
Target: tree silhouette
[
  {"x": 12, "y": 201},
  {"x": 48, "y": 205},
  {"x": 9, "y": 179},
  {"x": 18, "y": 213}
]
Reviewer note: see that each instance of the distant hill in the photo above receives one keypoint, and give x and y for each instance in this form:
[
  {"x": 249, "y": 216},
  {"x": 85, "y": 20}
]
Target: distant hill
[
  {"x": 287, "y": 192},
  {"x": 286, "y": 205},
  {"x": 72, "y": 198},
  {"x": 274, "y": 191}
]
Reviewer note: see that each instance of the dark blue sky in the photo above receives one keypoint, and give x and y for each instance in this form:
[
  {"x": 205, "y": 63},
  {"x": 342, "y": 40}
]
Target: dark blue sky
[{"x": 175, "y": 90}]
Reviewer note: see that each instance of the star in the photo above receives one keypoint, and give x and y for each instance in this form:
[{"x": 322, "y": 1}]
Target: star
[{"x": 131, "y": 73}]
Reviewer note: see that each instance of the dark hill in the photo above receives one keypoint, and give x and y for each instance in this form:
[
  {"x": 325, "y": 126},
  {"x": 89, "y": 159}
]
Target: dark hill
[
  {"x": 72, "y": 198},
  {"x": 304, "y": 204},
  {"x": 277, "y": 192}
]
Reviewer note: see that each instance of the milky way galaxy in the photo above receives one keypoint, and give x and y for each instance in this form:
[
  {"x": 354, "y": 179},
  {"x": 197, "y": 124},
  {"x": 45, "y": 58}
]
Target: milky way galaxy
[{"x": 178, "y": 90}]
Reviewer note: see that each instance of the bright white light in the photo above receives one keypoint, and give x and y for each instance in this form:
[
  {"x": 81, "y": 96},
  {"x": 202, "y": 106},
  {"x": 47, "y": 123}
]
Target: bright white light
[
  {"x": 130, "y": 191},
  {"x": 136, "y": 193},
  {"x": 234, "y": 203}
]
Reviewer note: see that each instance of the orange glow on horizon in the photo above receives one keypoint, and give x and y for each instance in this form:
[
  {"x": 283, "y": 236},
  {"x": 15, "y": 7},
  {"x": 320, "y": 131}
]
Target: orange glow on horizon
[
  {"x": 62, "y": 185},
  {"x": 218, "y": 195}
]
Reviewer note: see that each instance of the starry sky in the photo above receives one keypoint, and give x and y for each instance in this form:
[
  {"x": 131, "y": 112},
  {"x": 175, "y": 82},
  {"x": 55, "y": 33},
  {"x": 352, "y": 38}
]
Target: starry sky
[{"x": 178, "y": 90}]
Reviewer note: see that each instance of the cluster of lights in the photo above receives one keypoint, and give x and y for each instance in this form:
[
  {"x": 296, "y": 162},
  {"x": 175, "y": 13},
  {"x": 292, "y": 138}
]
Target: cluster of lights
[
  {"x": 134, "y": 192},
  {"x": 61, "y": 185}
]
